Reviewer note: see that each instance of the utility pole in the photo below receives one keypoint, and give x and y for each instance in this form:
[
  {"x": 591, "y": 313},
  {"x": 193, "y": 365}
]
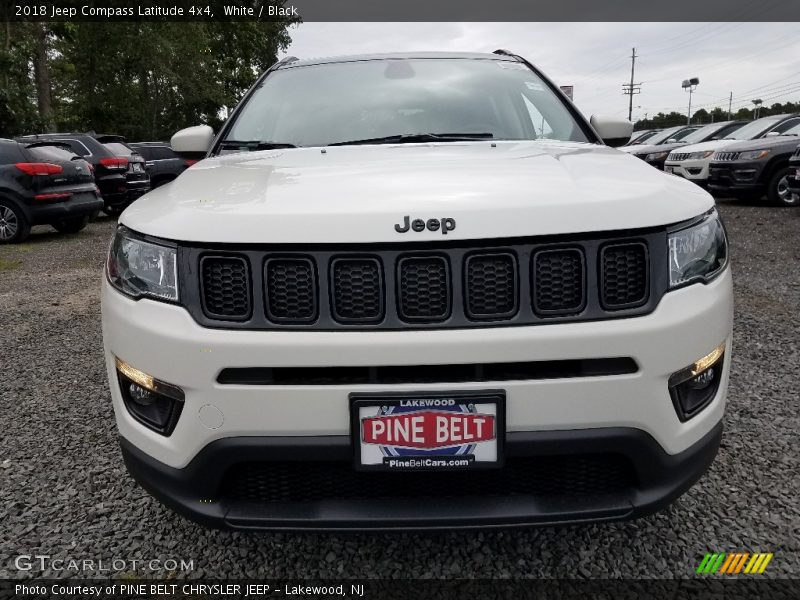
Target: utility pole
[
  {"x": 632, "y": 88},
  {"x": 730, "y": 103}
]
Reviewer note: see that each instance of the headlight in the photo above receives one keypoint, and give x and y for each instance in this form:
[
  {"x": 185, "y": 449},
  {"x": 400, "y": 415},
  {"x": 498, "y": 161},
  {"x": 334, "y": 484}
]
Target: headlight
[
  {"x": 139, "y": 268},
  {"x": 657, "y": 156},
  {"x": 753, "y": 154},
  {"x": 697, "y": 155},
  {"x": 697, "y": 253}
]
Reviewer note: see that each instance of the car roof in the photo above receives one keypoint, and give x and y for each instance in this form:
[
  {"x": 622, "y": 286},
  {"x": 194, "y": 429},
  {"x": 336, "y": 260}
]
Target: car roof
[{"x": 294, "y": 62}]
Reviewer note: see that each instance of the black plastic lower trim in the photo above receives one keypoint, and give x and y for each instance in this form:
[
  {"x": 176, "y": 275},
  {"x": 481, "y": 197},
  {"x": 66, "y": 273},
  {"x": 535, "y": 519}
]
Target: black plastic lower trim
[{"x": 194, "y": 490}]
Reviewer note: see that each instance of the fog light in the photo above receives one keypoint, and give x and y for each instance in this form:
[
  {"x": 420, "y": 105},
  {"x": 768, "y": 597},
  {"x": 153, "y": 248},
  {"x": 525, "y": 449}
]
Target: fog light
[
  {"x": 693, "y": 388},
  {"x": 154, "y": 403}
]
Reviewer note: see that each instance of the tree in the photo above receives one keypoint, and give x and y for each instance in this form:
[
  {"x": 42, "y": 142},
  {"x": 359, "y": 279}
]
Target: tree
[{"x": 143, "y": 80}]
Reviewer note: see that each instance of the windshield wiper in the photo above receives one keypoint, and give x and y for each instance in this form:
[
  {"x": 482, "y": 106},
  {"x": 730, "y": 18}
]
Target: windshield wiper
[
  {"x": 411, "y": 138},
  {"x": 254, "y": 144}
]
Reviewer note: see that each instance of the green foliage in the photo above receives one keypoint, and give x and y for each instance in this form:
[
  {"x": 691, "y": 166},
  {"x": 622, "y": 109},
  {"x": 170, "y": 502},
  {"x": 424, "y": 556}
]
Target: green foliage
[
  {"x": 715, "y": 115},
  {"x": 142, "y": 80}
]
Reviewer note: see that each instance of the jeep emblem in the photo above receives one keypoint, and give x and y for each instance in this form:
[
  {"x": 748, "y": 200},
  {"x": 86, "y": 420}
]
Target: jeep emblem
[{"x": 445, "y": 225}]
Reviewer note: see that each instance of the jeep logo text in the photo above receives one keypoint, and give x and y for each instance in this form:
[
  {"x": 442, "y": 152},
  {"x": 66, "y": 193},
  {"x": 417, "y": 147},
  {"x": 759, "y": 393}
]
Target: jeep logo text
[{"x": 445, "y": 225}]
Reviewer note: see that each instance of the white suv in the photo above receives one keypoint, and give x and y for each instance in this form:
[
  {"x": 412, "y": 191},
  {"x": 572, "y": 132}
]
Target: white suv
[{"x": 411, "y": 291}]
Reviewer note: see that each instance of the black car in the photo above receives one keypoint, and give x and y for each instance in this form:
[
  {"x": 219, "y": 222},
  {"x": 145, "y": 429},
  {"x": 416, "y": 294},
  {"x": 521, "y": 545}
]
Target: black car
[
  {"x": 40, "y": 184},
  {"x": 136, "y": 176},
  {"x": 120, "y": 182},
  {"x": 162, "y": 164},
  {"x": 793, "y": 178},
  {"x": 753, "y": 169}
]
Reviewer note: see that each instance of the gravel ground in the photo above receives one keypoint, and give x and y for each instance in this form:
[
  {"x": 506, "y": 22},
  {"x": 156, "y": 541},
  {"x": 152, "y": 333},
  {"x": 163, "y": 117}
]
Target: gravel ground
[{"x": 64, "y": 490}]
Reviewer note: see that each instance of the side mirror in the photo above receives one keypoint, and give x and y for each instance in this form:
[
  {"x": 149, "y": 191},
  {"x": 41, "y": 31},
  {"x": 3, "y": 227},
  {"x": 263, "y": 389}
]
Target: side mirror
[
  {"x": 671, "y": 141},
  {"x": 614, "y": 131},
  {"x": 193, "y": 142},
  {"x": 773, "y": 134}
]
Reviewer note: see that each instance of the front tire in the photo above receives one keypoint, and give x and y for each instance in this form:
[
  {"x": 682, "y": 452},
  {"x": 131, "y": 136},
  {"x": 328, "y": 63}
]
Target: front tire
[
  {"x": 72, "y": 225},
  {"x": 778, "y": 191},
  {"x": 14, "y": 227}
]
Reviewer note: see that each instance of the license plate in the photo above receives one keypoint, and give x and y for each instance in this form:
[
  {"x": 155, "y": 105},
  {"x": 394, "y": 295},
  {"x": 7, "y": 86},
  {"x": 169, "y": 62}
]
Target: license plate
[{"x": 444, "y": 431}]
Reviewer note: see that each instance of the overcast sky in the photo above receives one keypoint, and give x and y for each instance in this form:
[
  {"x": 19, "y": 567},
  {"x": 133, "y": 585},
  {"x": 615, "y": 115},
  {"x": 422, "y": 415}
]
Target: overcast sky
[{"x": 752, "y": 60}]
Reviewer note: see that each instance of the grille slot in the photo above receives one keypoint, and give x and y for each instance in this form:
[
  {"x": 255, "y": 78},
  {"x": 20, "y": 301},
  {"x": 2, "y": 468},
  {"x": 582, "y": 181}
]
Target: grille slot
[
  {"x": 424, "y": 288},
  {"x": 225, "y": 287},
  {"x": 460, "y": 373},
  {"x": 624, "y": 275},
  {"x": 491, "y": 286},
  {"x": 291, "y": 290},
  {"x": 559, "y": 281},
  {"x": 319, "y": 481},
  {"x": 357, "y": 294}
]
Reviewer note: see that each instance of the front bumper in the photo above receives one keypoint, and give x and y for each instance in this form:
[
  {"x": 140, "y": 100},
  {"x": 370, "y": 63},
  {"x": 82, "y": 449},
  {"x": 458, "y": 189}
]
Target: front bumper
[
  {"x": 631, "y": 414},
  {"x": 736, "y": 177},
  {"x": 200, "y": 490},
  {"x": 794, "y": 176},
  {"x": 693, "y": 170}
]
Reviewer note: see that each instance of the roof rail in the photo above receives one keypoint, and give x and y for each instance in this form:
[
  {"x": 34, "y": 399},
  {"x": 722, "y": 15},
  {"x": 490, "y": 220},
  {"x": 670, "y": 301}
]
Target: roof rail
[
  {"x": 284, "y": 61},
  {"x": 502, "y": 52}
]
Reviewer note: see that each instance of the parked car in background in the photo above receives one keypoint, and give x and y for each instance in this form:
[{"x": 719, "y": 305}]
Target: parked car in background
[
  {"x": 756, "y": 168},
  {"x": 692, "y": 162},
  {"x": 663, "y": 141},
  {"x": 793, "y": 178},
  {"x": 136, "y": 177},
  {"x": 44, "y": 184},
  {"x": 162, "y": 164},
  {"x": 639, "y": 137},
  {"x": 712, "y": 131},
  {"x": 110, "y": 169}
]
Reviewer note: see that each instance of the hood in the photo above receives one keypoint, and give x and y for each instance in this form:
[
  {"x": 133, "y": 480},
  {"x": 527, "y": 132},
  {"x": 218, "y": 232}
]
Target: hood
[
  {"x": 790, "y": 142},
  {"x": 644, "y": 149},
  {"x": 709, "y": 145},
  {"x": 356, "y": 194}
]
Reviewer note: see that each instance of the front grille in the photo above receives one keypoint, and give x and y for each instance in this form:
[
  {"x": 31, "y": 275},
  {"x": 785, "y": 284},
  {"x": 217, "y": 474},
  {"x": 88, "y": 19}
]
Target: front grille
[
  {"x": 678, "y": 156},
  {"x": 726, "y": 156},
  {"x": 625, "y": 277},
  {"x": 318, "y": 481},
  {"x": 558, "y": 281},
  {"x": 357, "y": 290},
  {"x": 491, "y": 286},
  {"x": 225, "y": 287},
  {"x": 449, "y": 284},
  {"x": 291, "y": 290},
  {"x": 424, "y": 283}
]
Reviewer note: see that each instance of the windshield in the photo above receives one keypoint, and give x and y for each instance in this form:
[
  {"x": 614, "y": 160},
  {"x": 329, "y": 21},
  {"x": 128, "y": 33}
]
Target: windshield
[
  {"x": 663, "y": 136},
  {"x": 643, "y": 137},
  {"x": 118, "y": 149},
  {"x": 753, "y": 129},
  {"x": 334, "y": 103},
  {"x": 699, "y": 135}
]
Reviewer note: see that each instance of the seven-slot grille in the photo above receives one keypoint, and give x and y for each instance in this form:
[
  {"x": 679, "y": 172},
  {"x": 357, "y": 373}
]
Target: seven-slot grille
[
  {"x": 445, "y": 285},
  {"x": 677, "y": 156},
  {"x": 726, "y": 156}
]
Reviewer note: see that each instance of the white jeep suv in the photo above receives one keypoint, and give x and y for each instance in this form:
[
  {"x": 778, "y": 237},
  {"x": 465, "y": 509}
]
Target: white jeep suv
[{"x": 416, "y": 290}]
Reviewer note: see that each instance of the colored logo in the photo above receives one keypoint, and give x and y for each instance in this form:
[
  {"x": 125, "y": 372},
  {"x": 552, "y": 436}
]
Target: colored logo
[
  {"x": 731, "y": 563},
  {"x": 428, "y": 429}
]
